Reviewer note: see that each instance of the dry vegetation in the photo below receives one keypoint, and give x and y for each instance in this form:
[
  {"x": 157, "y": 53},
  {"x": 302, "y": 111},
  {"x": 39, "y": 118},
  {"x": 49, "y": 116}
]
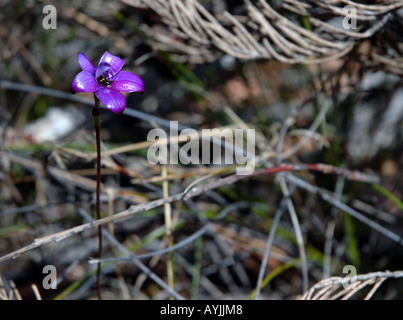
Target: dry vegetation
[{"x": 313, "y": 92}]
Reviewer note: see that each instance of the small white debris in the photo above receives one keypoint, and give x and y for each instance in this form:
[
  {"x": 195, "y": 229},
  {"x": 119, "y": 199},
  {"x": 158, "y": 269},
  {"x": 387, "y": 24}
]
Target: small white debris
[{"x": 57, "y": 123}]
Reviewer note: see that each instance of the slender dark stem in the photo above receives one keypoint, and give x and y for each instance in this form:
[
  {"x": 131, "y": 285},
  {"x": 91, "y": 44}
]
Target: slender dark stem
[{"x": 96, "y": 114}]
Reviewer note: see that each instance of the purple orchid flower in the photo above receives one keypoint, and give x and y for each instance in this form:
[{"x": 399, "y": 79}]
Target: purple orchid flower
[{"x": 106, "y": 81}]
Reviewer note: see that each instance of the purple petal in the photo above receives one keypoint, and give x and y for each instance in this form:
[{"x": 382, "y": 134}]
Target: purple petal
[
  {"x": 113, "y": 62},
  {"x": 84, "y": 82},
  {"x": 103, "y": 70},
  {"x": 85, "y": 63},
  {"x": 127, "y": 82},
  {"x": 112, "y": 99}
]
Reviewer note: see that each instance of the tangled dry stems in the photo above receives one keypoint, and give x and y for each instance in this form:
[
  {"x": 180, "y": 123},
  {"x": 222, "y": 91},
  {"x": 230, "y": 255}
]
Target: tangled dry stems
[
  {"x": 338, "y": 288},
  {"x": 290, "y": 32}
]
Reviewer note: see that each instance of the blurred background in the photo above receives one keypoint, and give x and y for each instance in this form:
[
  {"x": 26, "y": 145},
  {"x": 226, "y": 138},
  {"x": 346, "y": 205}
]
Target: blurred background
[{"x": 215, "y": 71}]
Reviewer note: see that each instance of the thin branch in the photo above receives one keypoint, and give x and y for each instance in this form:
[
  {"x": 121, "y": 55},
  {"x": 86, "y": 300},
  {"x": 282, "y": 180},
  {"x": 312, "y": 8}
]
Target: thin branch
[
  {"x": 327, "y": 254},
  {"x": 297, "y": 231},
  {"x": 269, "y": 242}
]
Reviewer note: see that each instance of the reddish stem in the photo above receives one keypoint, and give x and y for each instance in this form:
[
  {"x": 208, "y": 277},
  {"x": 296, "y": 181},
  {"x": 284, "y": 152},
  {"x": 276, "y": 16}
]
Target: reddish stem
[{"x": 96, "y": 114}]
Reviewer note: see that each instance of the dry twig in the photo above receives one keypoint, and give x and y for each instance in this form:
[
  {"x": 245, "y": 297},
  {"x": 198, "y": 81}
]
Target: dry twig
[{"x": 343, "y": 288}]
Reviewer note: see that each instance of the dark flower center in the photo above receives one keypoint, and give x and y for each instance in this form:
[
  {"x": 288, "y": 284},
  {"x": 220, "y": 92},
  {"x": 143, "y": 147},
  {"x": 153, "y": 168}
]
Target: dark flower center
[{"x": 102, "y": 80}]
